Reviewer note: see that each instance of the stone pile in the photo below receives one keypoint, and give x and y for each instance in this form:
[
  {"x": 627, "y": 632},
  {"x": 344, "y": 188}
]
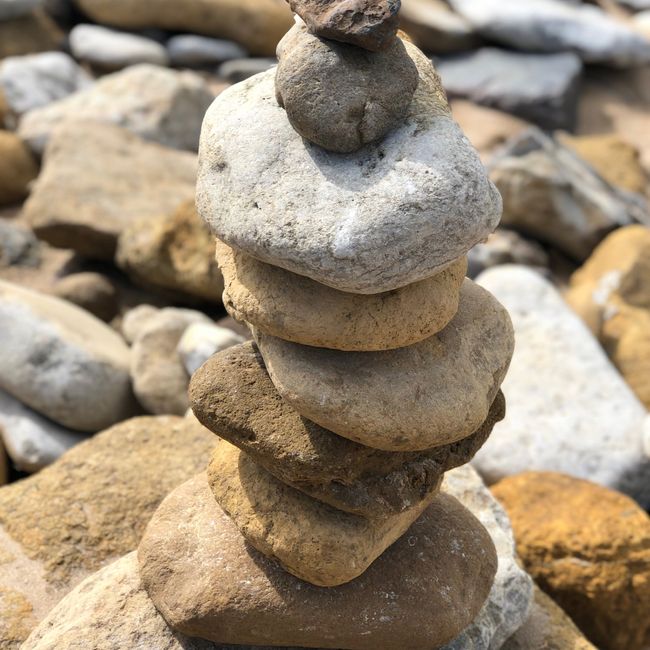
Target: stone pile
[{"x": 345, "y": 199}]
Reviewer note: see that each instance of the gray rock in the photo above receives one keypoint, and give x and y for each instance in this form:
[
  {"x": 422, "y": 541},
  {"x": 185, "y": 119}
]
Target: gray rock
[
  {"x": 155, "y": 103},
  {"x": 542, "y": 88},
  {"x": 551, "y": 194},
  {"x": 15, "y": 8},
  {"x": 36, "y": 80},
  {"x": 191, "y": 50},
  {"x": 569, "y": 410},
  {"x": 388, "y": 215},
  {"x": 201, "y": 340},
  {"x": 113, "y": 50},
  {"x": 237, "y": 70},
  {"x": 62, "y": 362},
  {"x": 557, "y": 26},
  {"x": 18, "y": 246}
]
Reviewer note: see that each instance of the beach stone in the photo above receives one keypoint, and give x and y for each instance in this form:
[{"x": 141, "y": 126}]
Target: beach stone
[
  {"x": 17, "y": 168},
  {"x": 233, "y": 396},
  {"x": 296, "y": 308},
  {"x": 36, "y": 80},
  {"x": 447, "y": 560},
  {"x": 172, "y": 251},
  {"x": 86, "y": 510},
  {"x": 192, "y": 50},
  {"x": 156, "y": 103},
  {"x": 62, "y": 362},
  {"x": 93, "y": 292},
  {"x": 33, "y": 32},
  {"x": 113, "y": 50},
  {"x": 589, "y": 548},
  {"x": 201, "y": 340},
  {"x": 541, "y": 88},
  {"x": 452, "y": 376},
  {"x": 253, "y": 191},
  {"x": 97, "y": 179},
  {"x": 18, "y": 246},
  {"x": 373, "y": 91},
  {"x": 15, "y": 8},
  {"x": 586, "y": 422},
  {"x": 236, "y": 70}
]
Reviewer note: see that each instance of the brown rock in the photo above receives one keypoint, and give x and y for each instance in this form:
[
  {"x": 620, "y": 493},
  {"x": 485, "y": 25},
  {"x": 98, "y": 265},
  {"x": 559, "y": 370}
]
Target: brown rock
[
  {"x": 90, "y": 291},
  {"x": 34, "y": 32},
  {"x": 172, "y": 251},
  {"x": 206, "y": 581},
  {"x": 17, "y": 168},
  {"x": 588, "y": 547},
  {"x": 233, "y": 396},
  {"x": 430, "y": 394},
  {"x": 370, "y": 24},
  {"x": 339, "y": 96},
  {"x": 299, "y": 309}
]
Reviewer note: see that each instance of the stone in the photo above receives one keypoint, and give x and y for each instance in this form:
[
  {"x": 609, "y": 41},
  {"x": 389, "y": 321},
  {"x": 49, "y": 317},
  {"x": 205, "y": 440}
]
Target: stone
[
  {"x": 112, "y": 50},
  {"x": 368, "y": 397},
  {"x": 586, "y": 422},
  {"x": 257, "y": 25},
  {"x": 368, "y": 24},
  {"x": 255, "y": 197},
  {"x": 586, "y": 30},
  {"x": 90, "y": 291},
  {"x": 86, "y": 510},
  {"x": 233, "y": 396},
  {"x": 172, "y": 251},
  {"x": 547, "y": 628},
  {"x": 155, "y": 103},
  {"x": 310, "y": 539},
  {"x": 138, "y": 319},
  {"x": 18, "y": 246},
  {"x": 36, "y": 80},
  {"x": 552, "y": 195},
  {"x": 236, "y": 70},
  {"x": 541, "y": 88},
  {"x": 97, "y": 179},
  {"x": 17, "y": 168},
  {"x": 589, "y": 549},
  {"x": 192, "y": 50},
  {"x": 296, "y": 308},
  {"x": 31, "y": 441},
  {"x": 447, "y": 560},
  {"x": 62, "y": 362},
  {"x": 202, "y": 340},
  {"x": 373, "y": 91},
  {"x": 33, "y": 32},
  {"x": 15, "y": 8}
]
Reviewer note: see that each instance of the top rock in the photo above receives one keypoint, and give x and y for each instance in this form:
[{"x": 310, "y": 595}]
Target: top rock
[{"x": 370, "y": 24}]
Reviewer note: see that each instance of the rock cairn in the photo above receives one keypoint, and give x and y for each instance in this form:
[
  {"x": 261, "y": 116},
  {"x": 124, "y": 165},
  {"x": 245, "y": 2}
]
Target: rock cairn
[{"x": 344, "y": 198}]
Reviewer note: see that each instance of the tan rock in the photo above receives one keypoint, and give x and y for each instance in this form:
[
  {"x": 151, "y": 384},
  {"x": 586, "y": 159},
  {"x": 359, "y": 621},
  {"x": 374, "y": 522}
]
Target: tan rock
[
  {"x": 174, "y": 251},
  {"x": 588, "y": 547},
  {"x": 429, "y": 394},
  {"x": 299, "y": 309},
  {"x": 17, "y": 168},
  {"x": 447, "y": 561},
  {"x": 233, "y": 396},
  {"x": 33, "y": 32},
  {"x": 90, "y": 291}
]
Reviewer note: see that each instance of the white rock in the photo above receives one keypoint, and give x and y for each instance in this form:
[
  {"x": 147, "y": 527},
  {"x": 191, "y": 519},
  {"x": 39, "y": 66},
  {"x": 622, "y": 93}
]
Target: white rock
[
  {"x": 62, "y": 362},
  {"x": 193, "y": 50},
  {"x": 113, "y": 50},
  {"x": 15, "y": 8},
  {"x": 36, "y": 80},
  {"x": 390, "y": 214},
  {"x": 155, "y": 103},
  {"x": 569, "y": 410},
  {"x": 201, "y": 340}
]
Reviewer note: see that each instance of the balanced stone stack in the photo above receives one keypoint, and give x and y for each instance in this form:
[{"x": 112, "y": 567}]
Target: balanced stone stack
[{"x": 344, "y": 198}]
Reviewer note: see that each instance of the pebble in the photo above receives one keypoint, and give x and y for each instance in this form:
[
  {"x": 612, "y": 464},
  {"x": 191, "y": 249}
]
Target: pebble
[
  {"x": 17, "y": 168},
  {"x": 236, "y": 70},
  {"x": 93, "y": 292},
  {"x": 192, "y": 50},
  {"x": 202, "y": 340}
]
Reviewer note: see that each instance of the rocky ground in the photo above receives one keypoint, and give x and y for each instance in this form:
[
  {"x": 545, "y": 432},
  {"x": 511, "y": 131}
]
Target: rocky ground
[{"x": 111, "y": 299}]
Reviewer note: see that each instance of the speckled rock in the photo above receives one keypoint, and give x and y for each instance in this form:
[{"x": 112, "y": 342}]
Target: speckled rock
[{"x": 17, "y": 168}]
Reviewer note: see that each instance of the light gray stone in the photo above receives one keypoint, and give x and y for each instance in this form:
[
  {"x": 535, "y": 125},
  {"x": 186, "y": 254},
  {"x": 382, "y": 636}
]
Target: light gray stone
[
  {"x": 18, "y": 246},
  {"x": 388, "y": 215},
  {"x": 569, "y": 410},
  {"x": 557, "y": 26},
  {"x": 15, "y": 8},
  {"x": 113, "y": 50},
  {"x": 155, "y": 103},
  {"x": 192, "y": 50},
  {"x": 542, "y": 88},
  {"x": 236, "y": 70},
  {"x": 201, "y": 340},
  {"x": 62, "y": 361}
]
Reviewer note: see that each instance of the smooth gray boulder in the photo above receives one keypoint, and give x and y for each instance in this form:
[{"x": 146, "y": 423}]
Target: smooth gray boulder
[{"x": 192, "y": 50}]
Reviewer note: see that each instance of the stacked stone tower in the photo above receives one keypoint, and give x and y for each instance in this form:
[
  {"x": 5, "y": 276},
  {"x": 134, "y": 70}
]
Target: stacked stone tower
[{"x": 344, "y": 198}]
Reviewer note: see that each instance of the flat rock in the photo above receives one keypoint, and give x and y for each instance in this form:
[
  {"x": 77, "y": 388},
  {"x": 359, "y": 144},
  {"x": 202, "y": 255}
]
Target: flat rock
[
  {"x": 233, "y": 396},
  {"x": 153, "y": 102},
  {"x": 296, "y": 308},
  {"x": 17, "y": 168},
  {"x": 339, "y": 96},
  {"x": 97, "y": 179},
  {"x": 62, "y": 362},
  {"x": 202, "y": 340},
  {"x": 15, "y": 8},
  {"x": 253, "y": 191},
  {"x": 432, "y": 393},
  {"x": 192, "y": 50},
  {"x": 447, "y": 561},
  {"x": 586, "y": 422},
  {"x": 542, "y": 88},
  {"x": 33, "y": 32}
]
